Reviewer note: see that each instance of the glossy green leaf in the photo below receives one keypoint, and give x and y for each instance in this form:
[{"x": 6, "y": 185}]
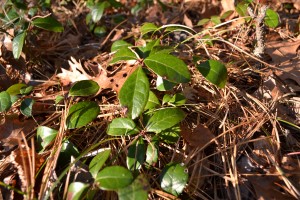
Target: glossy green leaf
[
  {"x": 77, "y": 190},
  {"x": 48, "y": 23},
  {"x": 15, "y": 89},
  {"x": 98, "y": 9},
  {"x": 161, "y": 49},
  {"x": 122, "y": 126},
  {"x": 214, "y": 71},
  {"x": 45, "y": 136},
  {"x": 272, "y": 18},
  {"x": 164, "y": 119},
  {"x": 152, "y": 151},
  {"x": 119, "y": 44},
  {"x": 136, "y": 155},
  {"x": 135, "y": 92},
  {"x": 18, "y": 43},
  {"x": 241, "y": 9},
  {"x": 153, "y": 101},
  {"x": 173, "y": 178},
  {"x": 170, "y": 135},
  {"x": 114, "y": 177},
  {"x": 81, "y": 114},
  {"x": 14, "y": 98},
  {"x": 123, "y": 54},
  {"x": 58, "y": 99},
  {"x": 137, "y": 190},
  {"x": 169, "y": 67},
  {"x": 144, "y": 51},
  {"x": 26, "y": 90},
  {"x": 216, "y": 19},
  {"x": 26, "y": 107},
  {"x": 203, "y": 21},
  {"x": 84, "y": 88},
  {"x": 163, "y": 84},
  {"x": 177, "y": 99},
  {"x": 5, "y": 101},
  {"x": 98, "y": 161},
  {"x": 166, "y": 98},
  {"x": 147, "y": 28}
]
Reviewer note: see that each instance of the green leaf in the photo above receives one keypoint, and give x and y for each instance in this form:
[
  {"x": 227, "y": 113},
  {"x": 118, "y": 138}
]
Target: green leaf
[
  {"x": 136, "y": 155},
  {"x": 153, "y": 101},
  {"x": 241, "y": 9},
  {"x": 20, "y": 4},
  {"x": 99, "y": 31},
  {"x": 173, "y": 178},
  {"x": 98, "y": 161},
  {"x": 137, "y": 190},
  {"x": 216, "y": 19},
  {"x": 114, "y": 177},
  {"x": 177, "y": 99},
  {"x": 77, "y": 190},
  {"x": 81, "y": 114},
  {"x": 122, "y": 126},
  {"x": 135, "y": 92},
  {"x": 164, "y": 118},
  {"x": 123, "y": 54},
  {"x": 15, "y": 89},
  {"x": 98, "y": 9},
  {"x": 18, "y": 43},
  {"x": 5, "y": 101},
  {"x": 147, "y": 28},
  {"x": 152, "y": 151},
  {"x": 163, "y": 84},
  {"x": 169, "y": 67},
  {"x": 203, "y": 22},
  {"x": 166, "y": 98},
  {"x": 227, "y": 14},
  {"x": 214, "y": 71},
  {"x": 48, "y": 23},
  {"x": 161, "y": 49},
  {"x": 170, "y": 135},
  {"x": 45, "y": 136},
  {"x": 68, "y": 149},
  {"x": 58, "y": 99},
  {"x": 26, "y": 90},
  {"x": 272, "y": 18},
  {"x": 26, "y": 107},
  {"x": 119, "y": 44},
  {"x": 84, "y": 88}
]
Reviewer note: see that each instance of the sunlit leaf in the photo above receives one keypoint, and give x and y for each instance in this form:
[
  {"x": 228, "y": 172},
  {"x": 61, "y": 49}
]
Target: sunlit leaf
[
  {"x": 123, "y": 54},
  {"x": 177, "y": 99},
  {"x": 5, "y": 101},
  {"x": 122, "y": 126},
  {"x": 147, "y": 28},
  {"x": 134, "y": 93},
  {"x": 45, "y": 136},
  {"x": 98, "y": 161},
  {"x": 170, "y": 135},
  {"x": 152, "y": 151},
  {"x": 272, "y": 18},
  {"x": 153, "y": 101},
  {"x": 119, "y": 44},
  {"x": 48, "y": 23},
  {"x": 241, "y": 9},
  {"x": 18, "y": 43},
  {"x": 98, "y": 9},
  {"x": 173, "y": 178},
  {"x": 203, "y": 21},
  {"x": 168, "y": 67},
  {"x": 136, "y": 155},
  {"x": 84, "y": 88},
  {"x": 26, "y": 107},
  {"x": 77, "y": 190},
  {"x": 227, "y": 14},
  {"x": 81, "y": 114},
  {"x": 214, "y": 71},
  {"x": 26, "y": 90},
  {"x": 163, "y": 84},
  {"x": 114, "y": 177},
  {"x": 15, "y": 89},
  {"x": 216, "y": 19},
  {"x": 164, "y": 119}
]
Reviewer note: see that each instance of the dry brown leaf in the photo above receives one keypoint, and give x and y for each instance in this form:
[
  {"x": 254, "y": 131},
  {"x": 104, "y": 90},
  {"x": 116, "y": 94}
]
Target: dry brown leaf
[{"x": 197, "y": 136}]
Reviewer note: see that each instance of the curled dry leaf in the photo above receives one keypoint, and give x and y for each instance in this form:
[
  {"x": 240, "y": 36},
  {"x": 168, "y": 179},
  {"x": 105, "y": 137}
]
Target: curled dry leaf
[{"x": 197, "y": 136}]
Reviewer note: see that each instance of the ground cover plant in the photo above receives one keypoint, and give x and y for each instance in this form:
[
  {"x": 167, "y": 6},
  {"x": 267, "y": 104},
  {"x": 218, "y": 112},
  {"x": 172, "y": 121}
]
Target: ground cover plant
[{"x": 149, "y": 99}]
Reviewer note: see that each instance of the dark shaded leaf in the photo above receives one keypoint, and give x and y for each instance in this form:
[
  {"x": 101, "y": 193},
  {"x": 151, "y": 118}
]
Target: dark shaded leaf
[
  {"x": 26, "y": 107},
  {"x": 136, "y": 155},
  {"x": 98, "y": 161},
  {"x": 48, "y": 23}
]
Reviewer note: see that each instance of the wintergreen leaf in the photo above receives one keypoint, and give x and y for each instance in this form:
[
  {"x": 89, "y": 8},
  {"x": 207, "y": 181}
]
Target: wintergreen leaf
[
  {"x": 15, "y": 89},
  {"x": 144, "y": 51},
  {"x": 161, "y": 49},
  {"x": 45, "y": 136},
  {"x": 98, "y": 9},
  {"x": 153, "y": 101},
  {"x": 114, "y": 177},
  {"x": 48, "y": 23},
  {"x": 136, "y": 155},
  {"x": 241, "y": 9},
  {"x": 123, "y": 54},
  {"x": 5, "y": 101},
  {"x": 170, "y": 135},
  {"x": 58, "y": 99},
  {"x": 227, "y": 14},
  {"x": 216, "y": 19},
  {"x": 214, "y": 71},
  {"x": 122, "y": 126},
  {"x": 77, "y": 190},
  {"x": 137, "y": 190},
  {"x": 26, "y": 107},
  {"x": 173, "y": 178},
  {"x": 169, "y": 67},
  {"x": 272, "y": 18},
  {"x": 135, "y": 92},
  {"x": 164, "y": 118},
  {"x": 84, "y": 88},
  {"x": 18, "y": 43},
  {"x": 98, "y": 161},
  {"x": 203, "y": 21},
  {"x": 81, "y": 114},
  {"x": 99, "y": 31},
  {"x": 119, "y": 44},
  {"x": 26, "y": 90},
  {"x": 152, "y": 151},
  {"x": 148, "y": 27},
  {"x": 177, "y": 99},
  {"x": 68, "y": 149},
  {"x": 163, "y": 85}
]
